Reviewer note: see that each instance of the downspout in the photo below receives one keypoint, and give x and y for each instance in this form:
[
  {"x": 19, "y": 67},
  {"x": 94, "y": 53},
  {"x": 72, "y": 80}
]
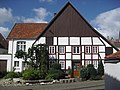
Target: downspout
[{"x": 12, "y": 55}]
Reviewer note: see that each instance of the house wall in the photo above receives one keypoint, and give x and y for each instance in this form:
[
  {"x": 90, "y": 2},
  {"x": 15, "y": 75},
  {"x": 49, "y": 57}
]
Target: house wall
[
  {"x": 7, "y": 57},
  {"x": 82, "y": 42},
  {"x": 12, "y": 48},
  {"x": 112, "y": 76}
]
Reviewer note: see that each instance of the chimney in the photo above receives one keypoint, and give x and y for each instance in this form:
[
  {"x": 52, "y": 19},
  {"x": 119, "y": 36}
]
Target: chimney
[{"x": 55, "y": 14}]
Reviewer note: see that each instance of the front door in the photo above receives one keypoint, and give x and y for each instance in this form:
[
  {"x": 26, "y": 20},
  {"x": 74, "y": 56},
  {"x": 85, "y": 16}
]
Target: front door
[{"x": 76, "y": 69}]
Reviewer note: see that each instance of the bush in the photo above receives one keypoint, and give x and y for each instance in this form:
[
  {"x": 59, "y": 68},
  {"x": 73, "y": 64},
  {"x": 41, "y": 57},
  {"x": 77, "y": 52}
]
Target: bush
[
  {"x": 55, "y": 74},
  {"x": 84, "y": 73},
  {"x": 92, "y": 72},
  {"x": 31, "y": 74},
  {"x": 56, "y": 66},
  {"x": 13, "y": 75},
  {"x": 88, "y": 72}
]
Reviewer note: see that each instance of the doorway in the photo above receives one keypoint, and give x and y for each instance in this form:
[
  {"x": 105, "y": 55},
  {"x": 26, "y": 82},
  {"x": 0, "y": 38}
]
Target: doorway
[{"x": 76, "y": 69}]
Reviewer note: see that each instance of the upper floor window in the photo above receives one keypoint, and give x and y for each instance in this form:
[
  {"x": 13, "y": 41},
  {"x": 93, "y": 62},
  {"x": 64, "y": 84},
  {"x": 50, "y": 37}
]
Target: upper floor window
[
  {"x": 94, "y": 49},
  {"x": 52, "y": 49},
  {"x": 61, "y": 49},
  {"x": 21, "y": 45},
  {"x": 87, "y": 49},
  {"x": 76, "y": 50}
]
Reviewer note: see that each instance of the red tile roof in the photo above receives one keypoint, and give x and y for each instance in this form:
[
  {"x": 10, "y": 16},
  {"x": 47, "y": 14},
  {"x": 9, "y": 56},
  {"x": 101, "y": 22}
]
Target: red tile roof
[
  {"x": 26, "y": 30},
  {"x": 113, "y": 56}
]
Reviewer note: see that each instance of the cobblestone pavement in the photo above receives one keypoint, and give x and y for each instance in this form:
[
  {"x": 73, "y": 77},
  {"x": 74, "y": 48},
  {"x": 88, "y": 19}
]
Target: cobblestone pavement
[{"x": 86, "y": 85}]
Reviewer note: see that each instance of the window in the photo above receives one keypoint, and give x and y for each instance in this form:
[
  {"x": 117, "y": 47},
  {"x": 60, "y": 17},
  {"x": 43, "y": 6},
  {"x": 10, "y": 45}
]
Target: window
[
  {"x": 61, "y": 49},
  {"x": 16, "y": 63},
  {"x": 21, "y": 45},
  {"x": 95, "y": 49},
  {"x": 62, "y": 64},
  {"x": 76, "y": 50},
  {"x": 52, "y": 49},
  {"x": 87, "y": 49}
]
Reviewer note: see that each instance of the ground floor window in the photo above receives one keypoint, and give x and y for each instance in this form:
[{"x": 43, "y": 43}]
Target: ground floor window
[
  {"x": 87, "y": 62},
  {"x": 16, "y": 63},
  {"x": 62, "y": 63},
  {"x": 95, "y": 63}
]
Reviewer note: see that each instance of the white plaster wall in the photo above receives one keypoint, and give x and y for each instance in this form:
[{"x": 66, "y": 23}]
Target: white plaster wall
[
  {"x": 68, "y": 48},
  {"x": 102, "y": 55},
  {"x": 68, "y": 64},
  {"x": 10, "y": 46},
  {"x": 112, "y": 76},
  {"x": 8, "y": 58},
  {"x": 74, "y": 40},
  {"x": 13, "y": 51},
  {"x": 62, "y": 40},
  {"x": 76, "y": 57},
  {"x": 82, "y": 48},
  {"x": 56, "y": 48},
  {"x": 42, "y": 40},
  {"x": 95, "y": 56},
  {"x": 106, "y": 44},
  {"x": 112, "y": 70},
  {"x": 55, "y": 41},
  {"x": 82, "y": 55},
  {"x": 88, "y": 56},
  {"x": 86, "y": 41},
  {"x": 61, "y": 56},
  {"x": 82, "y": 62},
  {"x": 96, "y": 41},
  {"x": 68, "y": 55},
  {"x": 114, "y": 50},
  {"x": 101, "y": 48}
]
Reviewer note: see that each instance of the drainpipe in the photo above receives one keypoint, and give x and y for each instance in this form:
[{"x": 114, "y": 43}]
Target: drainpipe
[{"x": 12, "y": 55}]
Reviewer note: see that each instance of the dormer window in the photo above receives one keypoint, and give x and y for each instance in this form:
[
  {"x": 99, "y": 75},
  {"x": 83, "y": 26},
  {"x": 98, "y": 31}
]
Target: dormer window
[{"x": 21, "y": 45}]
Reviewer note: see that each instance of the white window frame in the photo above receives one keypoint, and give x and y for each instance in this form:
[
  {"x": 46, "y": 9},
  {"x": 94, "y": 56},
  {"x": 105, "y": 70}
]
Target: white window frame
[
  {"x": 87, "y": 49},
  {"x": 61, "y": 49},
  {"x": 94, "y": 49},
  {"x": 51, "y": 49},
  {"x": 76, "y": 49},
  {"x": 21, "y": 45},
  {"x": 16, "y": 63},
  {"x": 62, "y": 63}
]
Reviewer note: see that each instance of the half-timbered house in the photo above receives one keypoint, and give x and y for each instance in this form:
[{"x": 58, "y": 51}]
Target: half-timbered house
[{"x": 73, "y": 42}]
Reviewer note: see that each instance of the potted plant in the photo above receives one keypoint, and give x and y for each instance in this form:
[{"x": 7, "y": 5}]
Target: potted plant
[{"x": 69, "y": 73}]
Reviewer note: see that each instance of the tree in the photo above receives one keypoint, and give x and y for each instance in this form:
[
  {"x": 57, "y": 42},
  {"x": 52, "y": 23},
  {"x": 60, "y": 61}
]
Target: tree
[
  {"x": 100, "y": 68},
  {"x": 37, "y": 57}
]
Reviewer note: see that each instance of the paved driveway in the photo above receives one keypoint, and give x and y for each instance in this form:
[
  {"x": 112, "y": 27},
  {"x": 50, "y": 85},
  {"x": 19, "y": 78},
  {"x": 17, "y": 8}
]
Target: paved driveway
[{"x": 86, "y": 85}]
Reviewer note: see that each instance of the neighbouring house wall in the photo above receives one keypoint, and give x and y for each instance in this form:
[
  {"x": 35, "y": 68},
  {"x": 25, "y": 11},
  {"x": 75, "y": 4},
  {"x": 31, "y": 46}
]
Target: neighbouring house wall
[
  {"x": 12, "y": 50},
  {"x": 7, "y": 57},
  {"x": 112, "y": 76}
]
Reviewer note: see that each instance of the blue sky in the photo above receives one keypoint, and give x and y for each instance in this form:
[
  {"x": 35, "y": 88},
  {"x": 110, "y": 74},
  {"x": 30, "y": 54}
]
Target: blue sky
[{"x": 104, "y": 15}]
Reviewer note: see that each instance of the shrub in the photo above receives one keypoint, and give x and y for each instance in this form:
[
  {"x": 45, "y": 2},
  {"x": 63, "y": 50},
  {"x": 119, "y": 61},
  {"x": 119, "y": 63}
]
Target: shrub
[
  {"x": 31, "y": 74},
  {"x": 92, "y": 72},
  {"x": 55, "y": 74},
  {"x": 13, "y": 75},
  {"x": 84, "y": 73},
  {"x": 56, "y": 66},
  {"x": 100, "y": 68}
]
